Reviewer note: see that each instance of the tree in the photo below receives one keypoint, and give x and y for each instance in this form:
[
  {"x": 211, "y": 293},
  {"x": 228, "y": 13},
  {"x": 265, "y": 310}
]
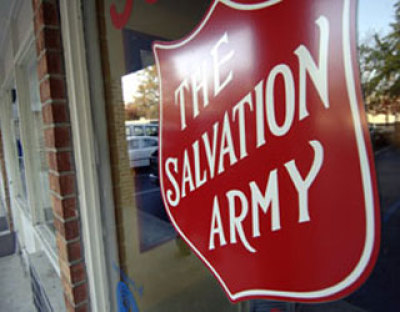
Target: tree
[
  {"x": 380, "y": 67},
  {"x": 146, "y": 98},
  {"x": 131, "y": 112}
]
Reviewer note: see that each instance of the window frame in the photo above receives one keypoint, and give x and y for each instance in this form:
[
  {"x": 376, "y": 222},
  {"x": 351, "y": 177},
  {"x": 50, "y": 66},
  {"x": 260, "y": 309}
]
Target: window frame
[{"x": 25, "y": 59}]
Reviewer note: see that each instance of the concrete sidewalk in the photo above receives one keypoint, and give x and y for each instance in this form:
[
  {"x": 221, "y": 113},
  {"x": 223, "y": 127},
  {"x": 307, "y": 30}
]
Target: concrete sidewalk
[{"x": 15, "y": 286}]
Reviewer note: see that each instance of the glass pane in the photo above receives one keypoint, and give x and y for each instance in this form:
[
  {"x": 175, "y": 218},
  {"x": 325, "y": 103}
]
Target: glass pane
[
  {"x": 39, "y": 147},
  {"x": 149, "y": 143},
  {"x": 151, "y": 130},
  {"x": 19, "y": 147},
  {"x": 134, "y": 144},
  {"x": 138, "y": 130},
  {"x": 167, "y": 276}
]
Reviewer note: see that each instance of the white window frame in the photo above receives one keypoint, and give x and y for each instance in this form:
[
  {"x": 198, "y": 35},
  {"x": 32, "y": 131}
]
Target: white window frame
[{"x": 85, "y": 151}]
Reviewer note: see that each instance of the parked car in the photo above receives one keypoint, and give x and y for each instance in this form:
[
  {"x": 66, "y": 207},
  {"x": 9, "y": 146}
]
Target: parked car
[
  {"x": 140, "y": 148},
  {"x": 380, "y": 136},
  {"x": 154, "y": 175},
  {"x": 139, "y": 129}
]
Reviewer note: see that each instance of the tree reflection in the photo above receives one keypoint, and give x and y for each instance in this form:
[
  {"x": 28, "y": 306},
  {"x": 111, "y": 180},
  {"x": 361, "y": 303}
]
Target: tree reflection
[
  {"x": 380, "y": 67},
  {"x": 145, "y": 99}
]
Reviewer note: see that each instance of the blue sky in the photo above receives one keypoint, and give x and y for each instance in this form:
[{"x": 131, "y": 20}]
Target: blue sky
[{"x": 374, "y": 16}]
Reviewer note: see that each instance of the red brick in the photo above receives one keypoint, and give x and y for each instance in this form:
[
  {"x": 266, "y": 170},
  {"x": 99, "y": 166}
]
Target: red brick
[
  {"x": 50, "y": 63},
  {"x": 80, "y": 293},
  {"x": 35, "y": 4},
  {"x": 54, "y": 113},
  {"x": 54, "y": 183},
  {"x": 37, "y": 24},
  {"x": 52, "y": 88},
  {"x": 60, "y": 161},
  {"x": 67, "y": 184},
  {"x": 72, "y": 308},
  {"x": 73, "y": 273},
  {"x": 75, "y": 294},
  {"x": 78, "y": 272},
  {"x": 68, "y": 251},
  {"x": 62, "y": 248},
  {"x": 67, "y": 290},
  {"x": 63, "y": 185},
  {"x": 75, "y": 251},
  {"x": 65, "y": 208},
  {"x": 69, "y": 230},
  {"x": 57, "y": 137},
  {"x": 48, "y": 38},
  {"x": 47, "y": 13}
]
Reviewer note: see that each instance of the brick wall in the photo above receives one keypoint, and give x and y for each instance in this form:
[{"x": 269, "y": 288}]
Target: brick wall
[
  {"x": 59, "y": 150},
  {"x": 6, "y": 188}
]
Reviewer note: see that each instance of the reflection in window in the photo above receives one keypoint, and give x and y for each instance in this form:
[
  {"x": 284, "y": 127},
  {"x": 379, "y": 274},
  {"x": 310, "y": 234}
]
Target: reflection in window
[
  {"x": 380, "y": 70},
  {"x": 141, "y": 97},
  {"x": 20, "y": 151},
  {"x": 138, "y": 130},
  {"x": 151, "y": 130},
  {"x": 133, "y": 144},
  {"x": 39, "y": 152},
  {"x": 150, "y": 142}
]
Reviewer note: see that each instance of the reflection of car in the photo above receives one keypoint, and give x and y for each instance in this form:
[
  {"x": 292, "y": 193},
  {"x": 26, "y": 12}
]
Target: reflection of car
[
  {"x": 135, "y": 129},
  {"x": 140, "y": 149},
  {"x": 154, "y": 167},
  {"x": 380, "y": 136}
]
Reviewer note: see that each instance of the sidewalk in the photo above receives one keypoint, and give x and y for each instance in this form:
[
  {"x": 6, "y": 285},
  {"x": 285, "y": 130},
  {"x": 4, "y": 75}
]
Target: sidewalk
[{"x": 15, "y": 286}]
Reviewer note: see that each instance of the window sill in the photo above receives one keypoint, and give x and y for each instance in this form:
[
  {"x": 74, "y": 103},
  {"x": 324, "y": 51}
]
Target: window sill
[{"x": 48, "y": 241}]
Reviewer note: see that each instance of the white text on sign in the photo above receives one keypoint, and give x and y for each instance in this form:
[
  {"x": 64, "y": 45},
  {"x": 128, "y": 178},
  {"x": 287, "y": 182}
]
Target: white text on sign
[{"x": 217, "y": 145}]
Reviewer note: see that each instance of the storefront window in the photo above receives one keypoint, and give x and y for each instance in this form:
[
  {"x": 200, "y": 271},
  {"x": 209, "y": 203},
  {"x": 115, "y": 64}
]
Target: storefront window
[{"x": 166, "y": 275}]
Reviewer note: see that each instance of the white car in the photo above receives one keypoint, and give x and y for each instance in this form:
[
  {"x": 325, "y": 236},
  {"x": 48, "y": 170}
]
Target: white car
[{"x": 140, "y": 149}]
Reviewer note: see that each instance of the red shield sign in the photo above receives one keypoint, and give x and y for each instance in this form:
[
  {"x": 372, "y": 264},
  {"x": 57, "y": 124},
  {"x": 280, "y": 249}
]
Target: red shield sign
[{"x": 266, "y": 166}]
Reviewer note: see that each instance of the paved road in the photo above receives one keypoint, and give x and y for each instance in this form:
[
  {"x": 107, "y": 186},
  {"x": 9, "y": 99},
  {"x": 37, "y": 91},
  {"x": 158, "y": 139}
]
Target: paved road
[
  {"x": 154, "y": 225},
  {"x": 148, "y": 196}
]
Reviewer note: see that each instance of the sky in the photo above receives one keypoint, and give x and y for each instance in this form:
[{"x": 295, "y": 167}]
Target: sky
[
  {"x": 130, "y": 84},
  {"x": 374, "y": 16}
]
